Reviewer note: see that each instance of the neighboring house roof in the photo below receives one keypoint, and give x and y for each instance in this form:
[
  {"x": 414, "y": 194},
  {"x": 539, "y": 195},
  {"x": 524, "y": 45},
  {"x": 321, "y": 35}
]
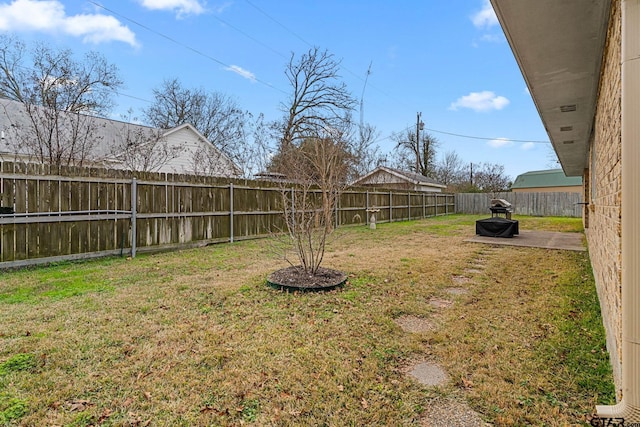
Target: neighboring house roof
[
  {"x": 408, "y": 177},
  {"x": 558, "y": 46},
  {"x": 107, "y": 134},
  {"x": 546, "y": 178}
]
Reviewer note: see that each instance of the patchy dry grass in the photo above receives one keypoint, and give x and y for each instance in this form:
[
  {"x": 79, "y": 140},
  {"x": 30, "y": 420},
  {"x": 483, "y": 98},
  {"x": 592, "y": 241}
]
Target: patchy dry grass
[{"x": 196, "y": 338}]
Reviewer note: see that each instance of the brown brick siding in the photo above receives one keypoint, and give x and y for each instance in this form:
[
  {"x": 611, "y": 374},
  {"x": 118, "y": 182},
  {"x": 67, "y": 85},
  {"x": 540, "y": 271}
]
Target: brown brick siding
[{"x": 604, "y": 187}]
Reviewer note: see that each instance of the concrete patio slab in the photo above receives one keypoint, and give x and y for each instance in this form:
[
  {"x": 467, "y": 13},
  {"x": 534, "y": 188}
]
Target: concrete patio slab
[{"x": 537, "y": 239}]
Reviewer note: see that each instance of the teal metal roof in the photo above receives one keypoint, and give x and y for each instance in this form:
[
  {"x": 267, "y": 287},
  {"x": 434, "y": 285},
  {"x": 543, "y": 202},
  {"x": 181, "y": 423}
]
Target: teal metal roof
[{"x": 546, "y": 178}]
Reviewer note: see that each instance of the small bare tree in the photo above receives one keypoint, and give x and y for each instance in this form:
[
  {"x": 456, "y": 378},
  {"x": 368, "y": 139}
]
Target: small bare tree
[
  {"x": 314, "y": 151},
  {"x": 321, "y": 166}
]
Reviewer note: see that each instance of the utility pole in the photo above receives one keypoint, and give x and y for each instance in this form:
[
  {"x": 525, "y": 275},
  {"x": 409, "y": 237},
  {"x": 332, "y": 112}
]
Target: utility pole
[{"x": 419, "y": 127}]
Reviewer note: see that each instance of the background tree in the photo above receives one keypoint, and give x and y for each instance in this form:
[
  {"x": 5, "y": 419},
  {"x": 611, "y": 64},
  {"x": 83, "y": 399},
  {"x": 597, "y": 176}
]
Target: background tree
[
  {"x": 318, "y": 103},
  {"x": 485, "y": 178},
  {"x": 215, "y": 115},
  {"x": 366, "y": 155},
  {"x": 450, "y": 170},
  {"x": 491, "y": 178},
  {"x": 414, "y": 156},
  {"x": 60, "y": 97}
]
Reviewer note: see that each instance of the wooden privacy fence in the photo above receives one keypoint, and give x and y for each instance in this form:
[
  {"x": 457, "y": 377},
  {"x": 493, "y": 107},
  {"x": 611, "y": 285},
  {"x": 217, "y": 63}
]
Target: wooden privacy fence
[
  {"x": 535, "y": 204},
  {"x": 73, "y": 213}
]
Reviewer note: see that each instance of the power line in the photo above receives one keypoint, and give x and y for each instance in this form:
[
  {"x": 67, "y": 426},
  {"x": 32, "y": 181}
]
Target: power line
[
  {"x": 463, "y": 136},
  {"x": 181, "y": 44},
  {"x": 299, "y": 37},
  {"x": 296, "y": 35},
  {"x": 207, "y": 56},
  {"x": 486, "y": 138},
  {"x": 250, "y": 37}
]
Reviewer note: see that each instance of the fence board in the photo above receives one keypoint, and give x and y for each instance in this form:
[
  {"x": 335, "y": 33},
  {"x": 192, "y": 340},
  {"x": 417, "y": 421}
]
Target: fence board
[
  {"x": 534, "y": 204},
  {"x": 72, "y": 212}
]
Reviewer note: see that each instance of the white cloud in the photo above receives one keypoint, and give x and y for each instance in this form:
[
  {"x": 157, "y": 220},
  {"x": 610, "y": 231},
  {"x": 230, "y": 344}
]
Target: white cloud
[
  {"x": 526, "y": 90},
  {"x": 99, "y": 29},
  {"x": 500, "y": 142},
  {"x": 486, "y": 17},
  {"x": 480, "y": 101},
  {"x": 242, "y": 72},
  {"x": 528, "y": 146},
  {"x": 49, "y": 16},
  {"x": 181, "y": 7}
]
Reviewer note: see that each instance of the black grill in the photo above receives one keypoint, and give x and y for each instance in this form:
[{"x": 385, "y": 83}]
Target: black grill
[
  {"x": 500, "y": 207},
  {"x": 497, "y": 226}
]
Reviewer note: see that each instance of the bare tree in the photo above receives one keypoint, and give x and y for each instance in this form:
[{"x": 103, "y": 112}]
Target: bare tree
[
  {"x": 316, "y": 150},
  {"x": 450, "y": 170},
  {"x": 254, "y": 154},
  {"x": 60, "y": 97},
  {"x": 54, "y": 79},
  {"x": 366, "y": 155},
  {"x": 411, "y": 153},
  {"x": 319, "y": 101},
  {"x": 215, "y": 115},
  {"x": 320, "y": 165},
  {"x": 490, "y": 178}
]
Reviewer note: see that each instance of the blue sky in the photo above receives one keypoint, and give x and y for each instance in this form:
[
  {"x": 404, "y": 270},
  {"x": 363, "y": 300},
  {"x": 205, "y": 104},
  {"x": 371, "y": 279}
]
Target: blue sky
[{"x": 448, "y": 60}]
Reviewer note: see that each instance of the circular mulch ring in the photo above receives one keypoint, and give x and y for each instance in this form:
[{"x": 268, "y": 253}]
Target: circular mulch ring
[{"x": 295, "y": 279}]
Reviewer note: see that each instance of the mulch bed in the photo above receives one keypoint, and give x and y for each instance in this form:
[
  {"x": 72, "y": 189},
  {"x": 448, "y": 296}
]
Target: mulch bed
[{"x": 295, "y": 278}]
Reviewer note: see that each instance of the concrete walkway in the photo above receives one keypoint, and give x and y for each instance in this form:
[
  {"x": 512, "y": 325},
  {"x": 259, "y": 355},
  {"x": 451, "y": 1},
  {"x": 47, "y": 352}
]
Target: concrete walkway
[{"x": 537, "y": 239}]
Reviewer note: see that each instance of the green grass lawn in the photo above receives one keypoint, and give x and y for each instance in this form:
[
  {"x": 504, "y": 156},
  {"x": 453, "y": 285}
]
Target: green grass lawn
[{"x": 195, "y": 337}]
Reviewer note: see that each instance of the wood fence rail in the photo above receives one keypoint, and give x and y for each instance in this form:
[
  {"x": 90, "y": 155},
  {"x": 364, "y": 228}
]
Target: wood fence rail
[
  {"x": 534, "y": 204},
  {"x": 74, "y": 213}
]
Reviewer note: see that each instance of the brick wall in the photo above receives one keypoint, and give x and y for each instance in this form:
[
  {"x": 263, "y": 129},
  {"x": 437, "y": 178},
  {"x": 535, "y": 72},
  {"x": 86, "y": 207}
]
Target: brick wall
[{"x": 603, "y": 190}]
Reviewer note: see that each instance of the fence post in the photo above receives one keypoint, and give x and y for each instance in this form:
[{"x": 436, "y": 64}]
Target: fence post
[
  {"x": 390, "y": 206},
  {"x": 231, "y": 212},
  {"x": 409, "y": 204},
  {"x": 435, "y": 213},
  {"x": 134, "y": 213},
  {"x": 366, "y": 215},
  {"x": 337, "y": 208}
]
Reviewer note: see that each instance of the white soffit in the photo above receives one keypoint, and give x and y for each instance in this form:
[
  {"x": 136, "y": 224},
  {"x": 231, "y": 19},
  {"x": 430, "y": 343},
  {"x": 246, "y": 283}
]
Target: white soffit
[{"x": 558, "y": 45}]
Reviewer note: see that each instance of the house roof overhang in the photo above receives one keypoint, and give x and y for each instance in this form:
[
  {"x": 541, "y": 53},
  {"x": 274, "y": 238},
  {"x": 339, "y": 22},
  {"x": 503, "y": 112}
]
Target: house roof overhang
[{"x": 558, "y": 46}]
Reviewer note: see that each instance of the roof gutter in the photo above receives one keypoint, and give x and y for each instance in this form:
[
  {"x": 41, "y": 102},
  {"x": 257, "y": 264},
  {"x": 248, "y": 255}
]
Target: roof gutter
[{"x": 628, "y": 408}]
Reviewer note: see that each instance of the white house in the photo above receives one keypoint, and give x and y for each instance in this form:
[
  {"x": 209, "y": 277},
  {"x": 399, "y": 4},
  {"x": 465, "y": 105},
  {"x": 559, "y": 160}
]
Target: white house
[{"x": 96, "y": 141}]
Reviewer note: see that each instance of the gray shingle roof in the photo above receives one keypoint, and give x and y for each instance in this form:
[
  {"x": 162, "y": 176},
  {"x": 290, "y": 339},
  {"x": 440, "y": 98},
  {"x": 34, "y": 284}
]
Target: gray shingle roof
[{"x": 105, "y": 132}]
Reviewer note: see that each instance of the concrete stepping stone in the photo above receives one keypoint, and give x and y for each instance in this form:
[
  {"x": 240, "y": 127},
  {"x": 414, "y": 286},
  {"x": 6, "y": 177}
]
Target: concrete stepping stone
[
  {"x": 429, "y": 374},
  {"x": 447, "y": 413},
  {"x": 414, "y": 324}
]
